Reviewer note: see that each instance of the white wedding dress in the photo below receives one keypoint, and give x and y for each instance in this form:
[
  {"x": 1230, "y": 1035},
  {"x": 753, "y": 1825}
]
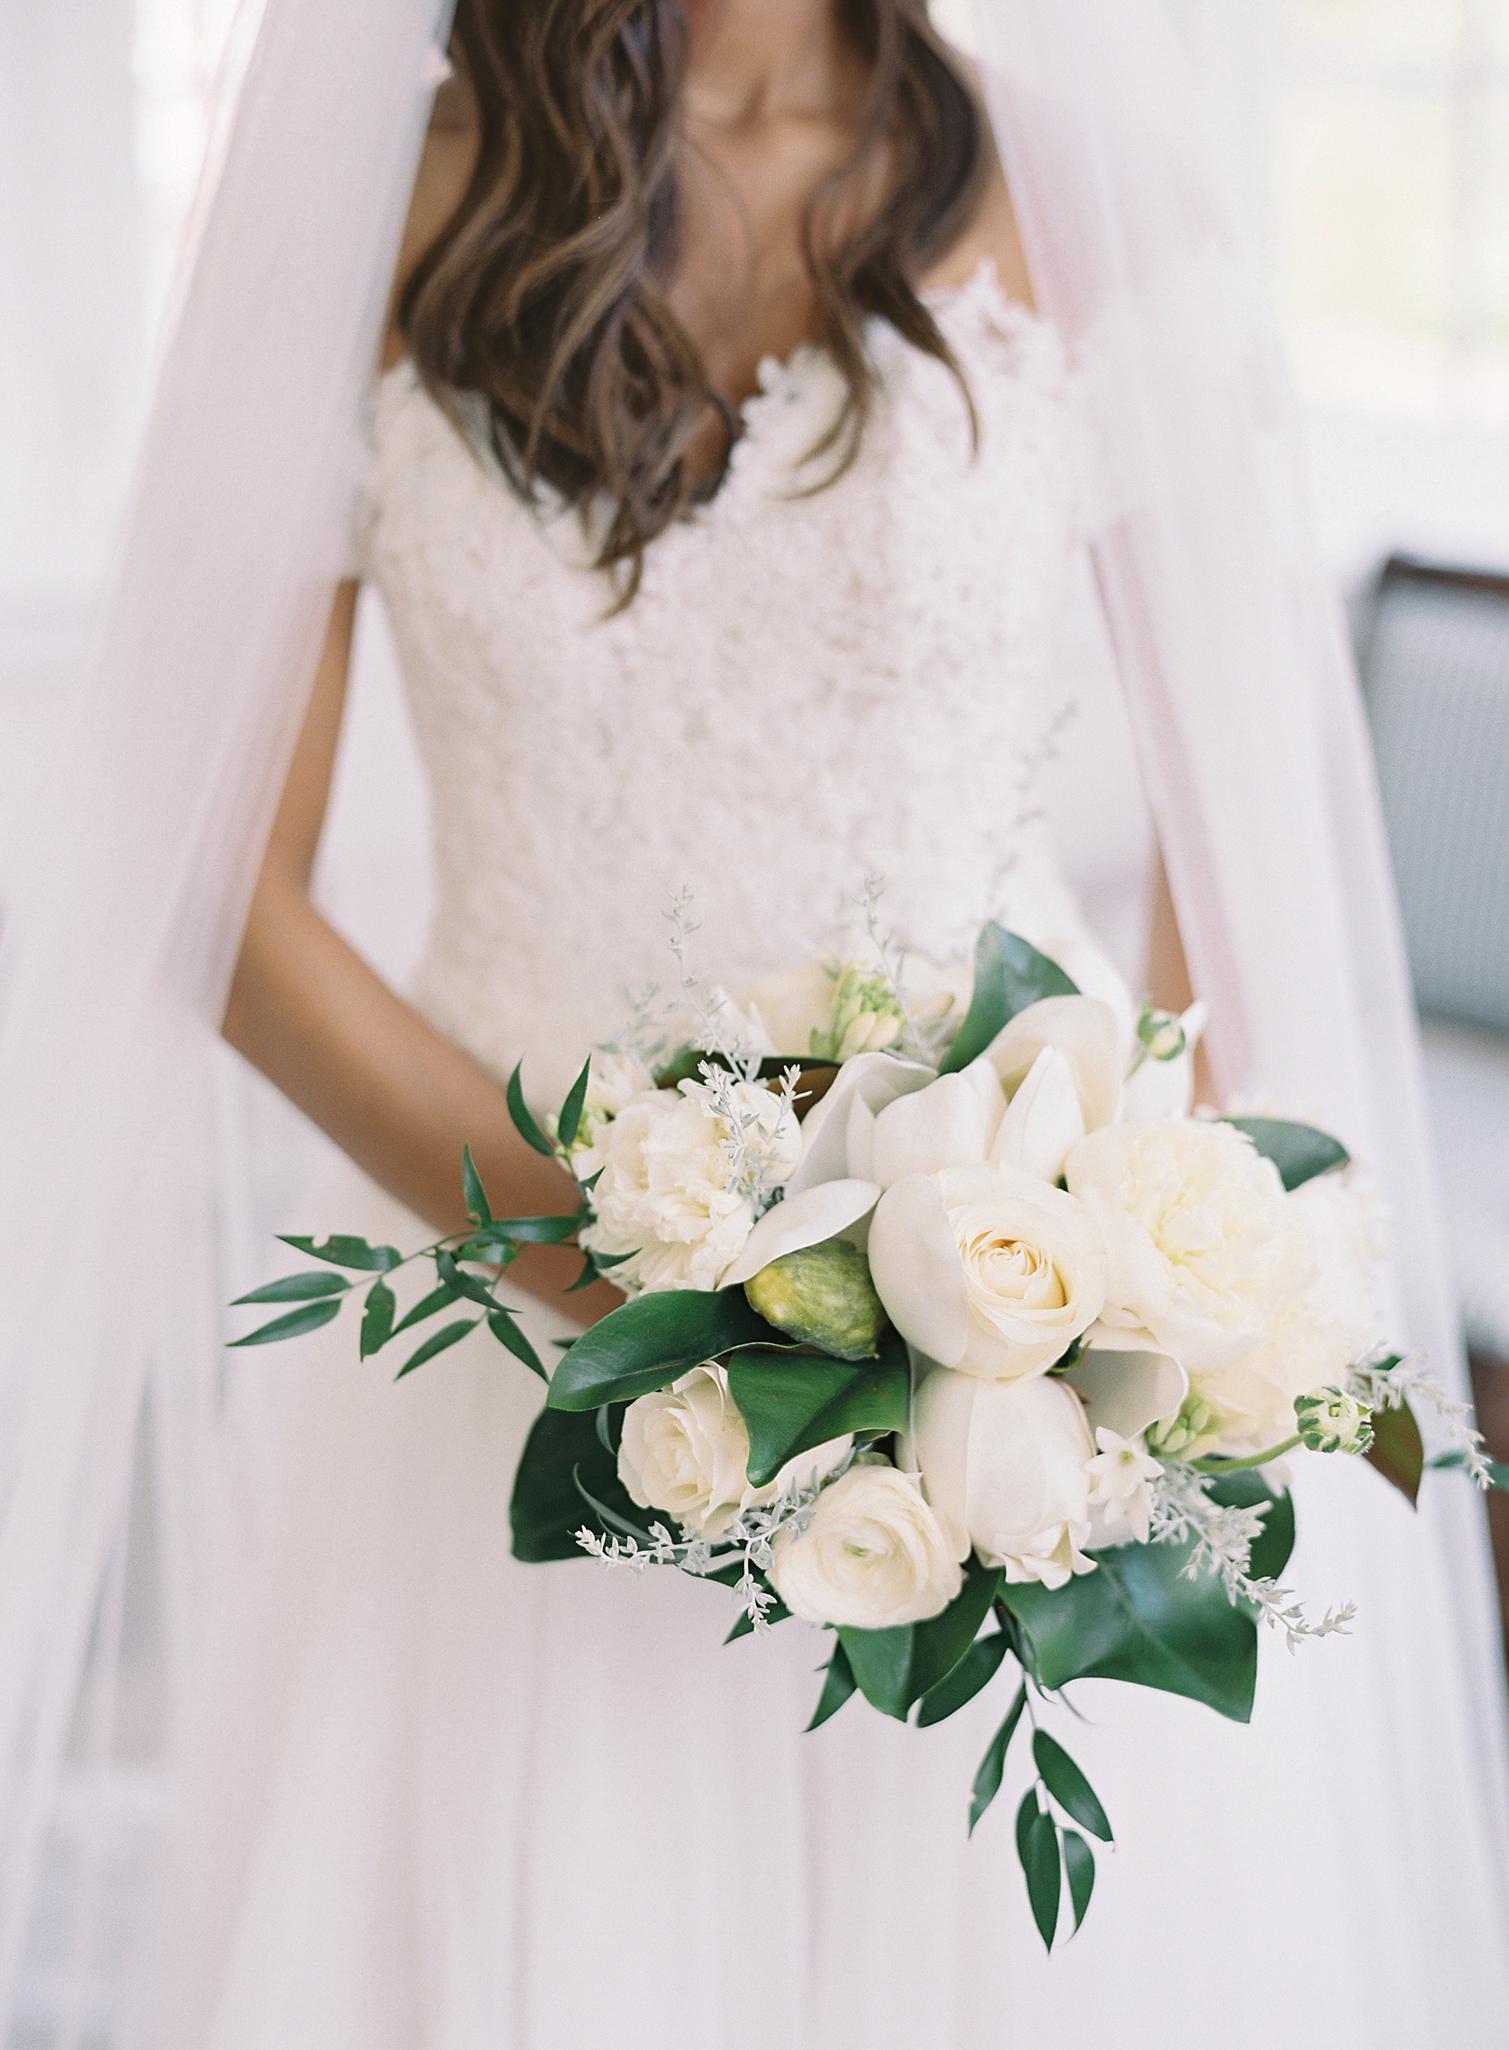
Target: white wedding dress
[{"x": 443, "y": 1801}]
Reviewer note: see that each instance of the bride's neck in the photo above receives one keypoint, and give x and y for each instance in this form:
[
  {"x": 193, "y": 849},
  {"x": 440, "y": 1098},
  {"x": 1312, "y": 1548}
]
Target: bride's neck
[{"x": 751, "y": 60}]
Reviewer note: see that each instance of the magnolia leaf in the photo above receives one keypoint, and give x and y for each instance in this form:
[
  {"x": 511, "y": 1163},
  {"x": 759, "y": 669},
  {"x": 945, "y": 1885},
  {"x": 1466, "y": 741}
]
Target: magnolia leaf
[
  {"x": 523, "y": 1117},
  {"x": 993, "y": 1765},
  {"x": 378, "y": 1307},
  {"x": 545, "y": 1510},
  {"x": 444, "y": 1338},
  {"x": 839, "y": 1685},
  {"x": 896, "y": 1667},
  {"x": 295, "y": 1288},
  {"x": 1079, "y": 1870},
  {"x": 1299, "y": 1152},
  {"x": 1398, "y": 1450},
  {"x": 1068, "y": 1785},
  {"x": 791, "y": 1401},
  {"x": 309, "y": 1317},
  {"x": 649, "y": 1341},
  {"x": 975, "y": 1670},
  {"x": 1010, "y": 974},
  {"x": 344, "y": 1251},
  {"x": 1037, "y": 1849}
]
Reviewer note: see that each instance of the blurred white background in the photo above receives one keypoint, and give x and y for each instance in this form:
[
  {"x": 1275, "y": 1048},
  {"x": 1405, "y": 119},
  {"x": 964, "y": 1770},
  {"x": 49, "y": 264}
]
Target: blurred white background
[{"x": 1369, "y": 140}]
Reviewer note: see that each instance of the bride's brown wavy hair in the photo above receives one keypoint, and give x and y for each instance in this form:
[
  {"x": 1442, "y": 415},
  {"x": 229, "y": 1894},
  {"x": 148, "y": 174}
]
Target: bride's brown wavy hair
[{"x": 545, "y": 294}]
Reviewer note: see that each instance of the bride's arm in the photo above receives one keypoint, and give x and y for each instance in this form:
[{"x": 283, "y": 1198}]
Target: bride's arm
[{"x": 321, "y": 1024}]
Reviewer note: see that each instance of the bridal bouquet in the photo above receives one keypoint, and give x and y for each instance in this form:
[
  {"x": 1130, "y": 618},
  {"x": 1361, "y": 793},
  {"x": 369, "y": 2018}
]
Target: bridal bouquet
[{"x": 948, "y": 1329}]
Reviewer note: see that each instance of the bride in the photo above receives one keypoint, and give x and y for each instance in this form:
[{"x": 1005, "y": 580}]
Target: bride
[{"x": 737, "y": 430}]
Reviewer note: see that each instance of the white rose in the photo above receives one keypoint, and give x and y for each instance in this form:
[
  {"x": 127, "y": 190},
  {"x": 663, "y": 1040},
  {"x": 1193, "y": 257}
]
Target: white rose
[
  {"x": 1201, "y": 1241},
  {"x": 664, "y": 1192},
  {"x": 871, "y": 1557},
  {"x": 987, "y": 1270},
  {"x": 1006, "y": 1466},
  {"x": 685, "y": 1451}
]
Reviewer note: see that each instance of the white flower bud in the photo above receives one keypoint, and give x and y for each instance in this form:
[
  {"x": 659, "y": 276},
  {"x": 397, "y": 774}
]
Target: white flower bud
[{"x": 1330, "y": 1420}]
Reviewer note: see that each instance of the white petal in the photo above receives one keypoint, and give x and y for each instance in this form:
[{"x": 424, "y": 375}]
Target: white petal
[
  {"x": 806, "y": 1219},
  {"x": 1043, "y": 1120},
  {"x": 873, "y": 1079},
  {"x": 914, "y": 1263},
  {"x": 951, "y": 1123},
  {"x": 1084, "y": 1030},
  {"x": 1127, "y": 1391},
  {"x": 938, "y": 1447}
]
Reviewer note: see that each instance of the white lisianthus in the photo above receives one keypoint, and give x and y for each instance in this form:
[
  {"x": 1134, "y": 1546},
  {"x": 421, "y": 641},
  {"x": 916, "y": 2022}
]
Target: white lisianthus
[
  {"x": 1203, "y": 1245},
  {"x": 871, "y": 1557},
  {"x": 986, "y": 1269},
  {"x": 1006, "y": 1466},
  {"x": 667, "y": 1192},
  {"x": 1060, "y": 1063},
  {"x": 685, "y": 1452},
  {"x": 1121, "y": 1489}
]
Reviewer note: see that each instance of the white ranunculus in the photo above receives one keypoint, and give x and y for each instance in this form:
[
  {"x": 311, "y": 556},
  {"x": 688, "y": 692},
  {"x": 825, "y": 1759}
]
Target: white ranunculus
[
  {"x": 1060, "y": 1062},
  {"x": 1005, "y": 1464},
  {"x": 1202, "y": 1243},
  {"x": 986, "y": 1269},
  {"x": 685, "y": 1452},
  {"x": 664, "y": 1192},
  {"x": 871, "y": 1557}
]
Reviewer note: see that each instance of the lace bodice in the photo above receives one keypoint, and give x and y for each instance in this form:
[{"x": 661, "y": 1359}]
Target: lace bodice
[{"x": 806, "y": 691}]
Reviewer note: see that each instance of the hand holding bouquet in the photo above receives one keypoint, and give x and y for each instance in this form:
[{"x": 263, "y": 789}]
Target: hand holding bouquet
[{"x": 959, "y": 1337}]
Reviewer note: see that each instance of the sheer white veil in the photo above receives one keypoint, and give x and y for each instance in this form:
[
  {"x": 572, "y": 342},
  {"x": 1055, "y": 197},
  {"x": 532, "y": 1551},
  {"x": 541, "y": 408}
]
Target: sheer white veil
[{"x": 118, "y": 948}]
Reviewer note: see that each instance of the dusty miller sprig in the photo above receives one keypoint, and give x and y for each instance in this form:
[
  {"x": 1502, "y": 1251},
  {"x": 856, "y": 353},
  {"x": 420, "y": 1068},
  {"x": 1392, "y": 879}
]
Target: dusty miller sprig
[
  {"x": 757, "y": 1149},
  {"x": 1222, "y": 1536},
  {"x": 1382, "y": 1386},
  {"x": 749, "y": 1540}
]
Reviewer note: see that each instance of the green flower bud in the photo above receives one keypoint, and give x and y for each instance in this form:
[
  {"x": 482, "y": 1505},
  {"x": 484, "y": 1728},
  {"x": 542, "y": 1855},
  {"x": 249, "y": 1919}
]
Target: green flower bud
[
  {"x": 1333, "y": 1421},
  {"x": 1160, "y": 1034},
  {"x": 1181, "y": 1436},
  {"x": 865, "y": 1016},
  {"x": 822, "y": 1296}
]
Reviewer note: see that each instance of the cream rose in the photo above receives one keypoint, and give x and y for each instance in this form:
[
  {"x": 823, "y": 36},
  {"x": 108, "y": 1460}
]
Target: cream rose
[
  {"x": 872, "y": 1556},
  {"x": 986, "y": 1269},
  {"x": 1202, "y": 1243},
  {"x": 663, "y": 1192},
  {"x": 685, "y": 1452},
  {"x": 1006, "y": 1466}
]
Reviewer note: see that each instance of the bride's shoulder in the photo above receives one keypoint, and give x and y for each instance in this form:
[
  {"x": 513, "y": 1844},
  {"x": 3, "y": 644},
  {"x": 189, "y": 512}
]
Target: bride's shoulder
[{"x": 990, "y": 236}]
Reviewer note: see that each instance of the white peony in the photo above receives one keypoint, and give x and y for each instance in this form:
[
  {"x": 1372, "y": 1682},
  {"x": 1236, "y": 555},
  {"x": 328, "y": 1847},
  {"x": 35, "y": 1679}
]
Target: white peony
[
  {"x": 1006, "y": 1466},
  {"x": 987, "y": 1270},
  {"x": 685, "y": 1451},
  {"x": 1203, "y": 1245},
  {"x": 665, "y": 1192},
  {"x": 871, "y": 1557}
]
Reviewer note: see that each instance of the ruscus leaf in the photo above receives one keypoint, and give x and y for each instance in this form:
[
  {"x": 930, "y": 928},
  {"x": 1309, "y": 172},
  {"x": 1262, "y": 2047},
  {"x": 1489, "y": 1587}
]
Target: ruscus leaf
[
  {"x": 295, "y": 1288},
  {"x": 378, "y": 1307},
  {"x": 1068, "y": 1785},
  {"x": 523, "y": 1117},
  {"x": 309, "y": 1317},
  {"x": 993, "y": 1765},
  {"x": 447, "y": 1336}
]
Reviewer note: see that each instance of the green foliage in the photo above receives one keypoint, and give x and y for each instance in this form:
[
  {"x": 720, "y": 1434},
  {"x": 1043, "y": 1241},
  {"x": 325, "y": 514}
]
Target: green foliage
[
  {"x": 975, "y": 1670},
  {"x": 447, "y": 1336},
  {"x": 1299, "y": 1152},
  {"x": 344, "y": 1251},
  {"x": 378, "y": 1308},
  {"x": 295, "y": 1288},
  {"x": 895, "y": 1668},
  {"x": 647, "y": 1342},
  {"x": 1037, "y": 1850},
  {"x": 1068, "y": 1785},
  {"x": 1010, "y": 974},
  {"x": 838, "y": 1686},
  {"x": 793, "y": 1401},
  {"x": 569, "y": 1123},
  {"x": 1079, "y": 1870},
  {"x": 523, "y": 1117},
  {"x": 993, "y": 1765},
  {"x": 439, "y": 1298},
  {"x": 472, "y": 1189},
  {"x": 501, "y": 1322},
  {"x": 1398, "y": 1450},
  {"x": 294, "y": 1324}
]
